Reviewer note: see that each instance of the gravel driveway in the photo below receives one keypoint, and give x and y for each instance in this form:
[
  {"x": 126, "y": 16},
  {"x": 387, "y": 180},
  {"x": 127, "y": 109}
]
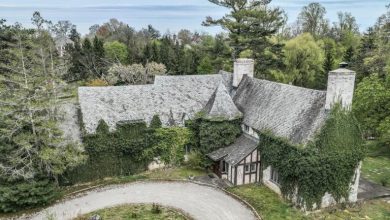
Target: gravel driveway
[{"x": 201, "y": 202}]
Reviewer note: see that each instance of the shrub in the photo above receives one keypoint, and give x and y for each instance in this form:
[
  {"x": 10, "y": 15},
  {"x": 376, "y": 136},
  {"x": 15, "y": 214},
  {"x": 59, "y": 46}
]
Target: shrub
[
  {"x": 156, "y": 209},
  {"x": 156, "y": 122},
  {"x": 197, "y": 160},
  {"x": 22, "y": 195}
]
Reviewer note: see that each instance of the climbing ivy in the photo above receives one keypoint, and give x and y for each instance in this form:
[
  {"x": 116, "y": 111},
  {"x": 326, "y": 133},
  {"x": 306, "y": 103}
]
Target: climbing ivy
[
  {"x": 113, "y": 153},
  {"x": 128, "y": 149},
  {"x": 169, "y": 145},
  {"x": 327, "y": 164},
  {"x": 210, "y": 135}
]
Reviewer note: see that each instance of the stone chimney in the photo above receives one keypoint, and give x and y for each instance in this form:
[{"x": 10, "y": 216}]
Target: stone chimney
[
  {"x": 242, "y": 67},
  {"x": 341, "y": 85}
]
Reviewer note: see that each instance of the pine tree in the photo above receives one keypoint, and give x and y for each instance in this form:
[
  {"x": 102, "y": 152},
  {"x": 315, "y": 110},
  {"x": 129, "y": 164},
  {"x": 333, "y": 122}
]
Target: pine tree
[
  {"x": 250, "y": 25},
  {"x": 31, "y": 143},
  {"x": 349, "y": 55}
]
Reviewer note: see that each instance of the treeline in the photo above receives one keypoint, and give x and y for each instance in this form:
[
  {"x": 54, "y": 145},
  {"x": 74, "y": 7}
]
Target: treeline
[{"x": 117, "y": 43}]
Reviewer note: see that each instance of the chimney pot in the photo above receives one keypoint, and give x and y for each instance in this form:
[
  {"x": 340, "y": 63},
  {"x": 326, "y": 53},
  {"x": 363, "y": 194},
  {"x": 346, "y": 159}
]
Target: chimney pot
[{"x": 343, "y": 65}]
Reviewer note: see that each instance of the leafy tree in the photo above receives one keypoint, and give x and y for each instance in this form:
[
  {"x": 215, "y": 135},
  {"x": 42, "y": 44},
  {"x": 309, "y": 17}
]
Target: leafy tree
[
  {"x": 312, "y": 20},
  {"x": 185, "y": 36},
  {"x": 205, "y": 66},
  {"x": 304, "y": 60},
  {"x": 371, "y": 104},
  {"x": 116, "y": 52},
  {"x": 134, "y": 74}
]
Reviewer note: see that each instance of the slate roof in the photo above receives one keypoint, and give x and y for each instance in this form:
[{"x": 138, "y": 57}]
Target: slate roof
[
  {"x": 236, "y": 152},
  {"x": 287, "y": 111},
  {"x": 221, "y": 106},
  {"x": 173, "y": 98}
]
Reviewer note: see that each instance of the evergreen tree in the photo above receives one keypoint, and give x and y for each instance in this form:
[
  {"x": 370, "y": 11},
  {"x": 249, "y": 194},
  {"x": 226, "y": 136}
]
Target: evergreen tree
[
  {"x": 74, "y": 55},
  {"x": 349, "y": 55},
  {"x": 32, "y": 149},
  {"x": 250, "y": 25},
  {"x": 205, "y": 66},
  {"x": 156, "y": 122}
]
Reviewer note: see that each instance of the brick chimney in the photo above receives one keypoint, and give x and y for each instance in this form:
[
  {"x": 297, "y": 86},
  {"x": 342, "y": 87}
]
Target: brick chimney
[
  {"x": 341, "y": 85},
  {"x": 242, "y": 67}
]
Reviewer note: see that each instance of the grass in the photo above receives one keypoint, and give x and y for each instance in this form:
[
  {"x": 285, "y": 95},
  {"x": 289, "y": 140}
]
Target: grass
[
  {"x": 376, "y": 166},
  {"x": 271, "y": 207},
  {"x": 141, "y": 212},
  {"x": 267, "y": 203}
]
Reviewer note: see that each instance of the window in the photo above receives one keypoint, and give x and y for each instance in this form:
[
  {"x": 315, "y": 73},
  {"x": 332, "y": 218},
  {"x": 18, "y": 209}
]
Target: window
[
  {"x": 247, "y": 169},
  {"x": 253, "y": 167},
  {"x": 246, "y": 128},
  {"x": 225, "y": 167},
  {"x": 275, "y": 176}
]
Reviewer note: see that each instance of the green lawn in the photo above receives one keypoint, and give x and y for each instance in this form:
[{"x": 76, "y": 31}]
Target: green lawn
[
  {"x": 267, "y": 203},
  {"x": 141, "y": 212},
  {"x": 271, "y": 207},
  {"x": 376, "y": 166}
]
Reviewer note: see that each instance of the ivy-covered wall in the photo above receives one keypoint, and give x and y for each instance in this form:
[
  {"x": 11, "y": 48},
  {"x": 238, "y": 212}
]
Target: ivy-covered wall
[
  {"x": 327, "y": 164},
  {"x": 112, "y": 153},
  {"x": 128, "y": 150},
  {"x": 210, "y": 135}
]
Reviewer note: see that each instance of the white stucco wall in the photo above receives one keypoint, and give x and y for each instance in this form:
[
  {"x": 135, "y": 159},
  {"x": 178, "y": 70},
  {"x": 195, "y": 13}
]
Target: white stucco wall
[
  {"x": 240, "y": 173},
  {"x": 267, "y": 181}
]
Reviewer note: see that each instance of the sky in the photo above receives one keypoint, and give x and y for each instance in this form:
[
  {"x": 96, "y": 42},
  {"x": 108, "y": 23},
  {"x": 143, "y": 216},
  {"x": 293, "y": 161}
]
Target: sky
[{"x": 171, "y": 15}]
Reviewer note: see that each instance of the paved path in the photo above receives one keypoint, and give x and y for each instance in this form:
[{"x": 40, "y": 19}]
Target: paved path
[
  {"x": 370, "y": 190},
  {"x": 201, "y": 202}
]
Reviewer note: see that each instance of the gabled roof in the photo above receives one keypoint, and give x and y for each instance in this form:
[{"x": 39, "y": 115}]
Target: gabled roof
[
  {"x": 286, "y": 111},
  {"x": 221, "y": 106},
  {"x": 236, "y": 152},
  {"x": 173, "y": 98}
]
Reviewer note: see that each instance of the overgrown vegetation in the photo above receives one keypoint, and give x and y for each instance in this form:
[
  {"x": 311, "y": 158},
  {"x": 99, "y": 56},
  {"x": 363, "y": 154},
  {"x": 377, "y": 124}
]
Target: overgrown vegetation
[
  {"x": 128, "y": 150},
  {"x": 210, "y": 135},
  {"x": 153, "y": 211},
  {"x": 33, "y": 152},
  {"x": 326, "y": 165},
  {"x": 113, "y": 153},
  {"x": 271, "y": 207}
]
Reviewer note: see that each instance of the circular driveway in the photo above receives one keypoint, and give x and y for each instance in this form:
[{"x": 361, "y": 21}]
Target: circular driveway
[{"x": 200, "y": 202}]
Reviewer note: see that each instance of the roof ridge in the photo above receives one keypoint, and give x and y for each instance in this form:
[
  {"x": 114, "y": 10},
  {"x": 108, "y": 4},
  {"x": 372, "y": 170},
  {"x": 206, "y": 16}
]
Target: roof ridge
[{"x": 283, "y": 84}]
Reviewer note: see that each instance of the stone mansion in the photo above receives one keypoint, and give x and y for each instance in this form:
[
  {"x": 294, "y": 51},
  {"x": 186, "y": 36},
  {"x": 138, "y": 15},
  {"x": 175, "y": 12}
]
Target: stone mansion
[{"x": 289, "y": 112}]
